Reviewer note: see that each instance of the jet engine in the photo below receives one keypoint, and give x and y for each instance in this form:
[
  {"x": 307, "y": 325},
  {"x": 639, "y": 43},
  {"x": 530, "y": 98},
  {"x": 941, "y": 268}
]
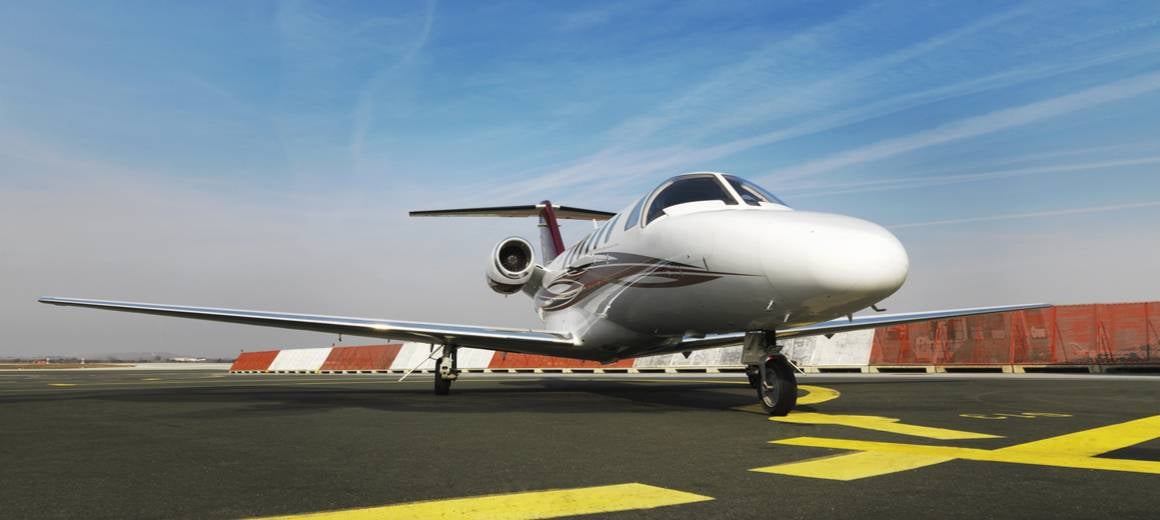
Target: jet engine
[{"x": 511, "y": 265}]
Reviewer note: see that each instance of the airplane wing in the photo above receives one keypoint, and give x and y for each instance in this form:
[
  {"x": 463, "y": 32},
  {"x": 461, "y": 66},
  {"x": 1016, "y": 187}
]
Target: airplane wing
[
  {"x": 503, "y": 339},
  {"x": 846, "y": 325}
]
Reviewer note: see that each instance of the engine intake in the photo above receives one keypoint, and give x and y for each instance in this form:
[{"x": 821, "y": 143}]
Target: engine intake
[{"x": 511, "y": 265}]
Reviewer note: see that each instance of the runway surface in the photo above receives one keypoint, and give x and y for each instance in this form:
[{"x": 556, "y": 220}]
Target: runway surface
[{"x": 190, "y": 444}]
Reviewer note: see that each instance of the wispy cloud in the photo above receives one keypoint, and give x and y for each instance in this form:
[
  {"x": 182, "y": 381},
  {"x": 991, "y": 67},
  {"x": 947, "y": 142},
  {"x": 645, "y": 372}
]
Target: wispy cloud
[
  {"x": 609, "y": 166},
  {"x": 977, "y": 125},
  {"x": 924, "y": 181},
  {"x": 1036, "y": 214},
  {"x": 368, "y": 99}
]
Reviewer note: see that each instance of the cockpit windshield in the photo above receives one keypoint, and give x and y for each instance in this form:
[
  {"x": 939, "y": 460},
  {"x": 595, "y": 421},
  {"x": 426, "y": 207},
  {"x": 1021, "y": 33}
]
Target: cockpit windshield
[
  {"x": 684, "y": 189},
  {"x": 750, "y": 193},
  {"x": 699, "y": 187}
]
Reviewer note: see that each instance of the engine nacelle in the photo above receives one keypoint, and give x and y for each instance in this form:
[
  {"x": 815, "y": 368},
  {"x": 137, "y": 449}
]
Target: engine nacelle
[{"x": 511, "y": 266}]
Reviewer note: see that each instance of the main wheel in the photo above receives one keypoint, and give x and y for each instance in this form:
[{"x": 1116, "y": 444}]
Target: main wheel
[
  {"x": 777, "y": 388},
  {"x": 442, "y": 385}
]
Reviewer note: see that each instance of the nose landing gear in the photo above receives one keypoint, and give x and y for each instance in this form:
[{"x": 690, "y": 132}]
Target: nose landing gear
[{"x": 769, "y": 372}]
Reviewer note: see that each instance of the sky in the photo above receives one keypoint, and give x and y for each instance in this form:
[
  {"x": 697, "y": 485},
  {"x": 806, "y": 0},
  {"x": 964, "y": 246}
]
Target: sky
[{"x": 264, "y": 154}]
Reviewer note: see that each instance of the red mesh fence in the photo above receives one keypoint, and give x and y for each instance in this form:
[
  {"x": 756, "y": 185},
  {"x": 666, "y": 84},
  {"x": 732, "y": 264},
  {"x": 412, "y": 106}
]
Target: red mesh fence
[
  {"x": 254, "y": 360},
  {"x": 510, "y": 360},
  {"x": 365, "y": 357},
  {"x": 1068, "y": 334}
]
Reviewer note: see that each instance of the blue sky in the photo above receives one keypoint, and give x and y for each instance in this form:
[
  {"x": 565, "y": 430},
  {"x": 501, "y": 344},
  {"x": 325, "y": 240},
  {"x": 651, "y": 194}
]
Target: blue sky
[{"x": 995, "y": 137}]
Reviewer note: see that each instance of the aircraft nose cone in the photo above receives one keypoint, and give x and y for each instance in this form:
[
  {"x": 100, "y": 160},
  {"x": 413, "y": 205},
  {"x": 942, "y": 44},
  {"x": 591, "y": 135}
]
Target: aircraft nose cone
[
  {"x": 860, "y": 256},
  {"x": 839, "y": 255}
]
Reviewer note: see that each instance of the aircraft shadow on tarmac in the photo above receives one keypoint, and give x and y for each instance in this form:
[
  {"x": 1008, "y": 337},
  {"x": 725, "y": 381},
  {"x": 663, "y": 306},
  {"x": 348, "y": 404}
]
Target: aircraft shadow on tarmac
[{"x": 539, "y": 396}]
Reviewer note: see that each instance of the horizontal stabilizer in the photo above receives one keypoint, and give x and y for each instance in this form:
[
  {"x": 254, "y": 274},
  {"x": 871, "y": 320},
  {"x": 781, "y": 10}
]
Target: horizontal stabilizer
[{"x": 531, "y": 210}]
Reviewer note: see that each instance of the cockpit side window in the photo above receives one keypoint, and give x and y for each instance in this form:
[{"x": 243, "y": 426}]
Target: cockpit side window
[
  {"x": 750, "y": 193},
  {"x": 633, "y": 215},
  {"x": 688, "y": 189}
]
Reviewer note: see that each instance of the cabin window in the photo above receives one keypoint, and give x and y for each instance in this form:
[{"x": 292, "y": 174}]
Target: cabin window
[{"x": 688, "y": 189}]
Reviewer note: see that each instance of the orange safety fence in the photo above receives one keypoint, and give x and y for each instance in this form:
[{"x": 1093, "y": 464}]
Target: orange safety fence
[
  {"x": 365, "y": 357},
  {"x": 511, "y": 360},
  {"x": 1117, "y": 333},
  {"x": 254, "y": 360}
]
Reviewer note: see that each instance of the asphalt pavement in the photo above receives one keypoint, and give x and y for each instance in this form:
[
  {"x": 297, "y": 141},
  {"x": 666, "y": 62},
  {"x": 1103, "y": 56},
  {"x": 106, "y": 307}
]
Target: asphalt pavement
[{"x": 205, "y": 444}]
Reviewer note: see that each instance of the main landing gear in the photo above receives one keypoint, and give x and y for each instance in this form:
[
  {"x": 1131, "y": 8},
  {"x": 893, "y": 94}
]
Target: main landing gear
[
  {"x": 446, "y": 369},
  {"x": 769, "y": 372}
]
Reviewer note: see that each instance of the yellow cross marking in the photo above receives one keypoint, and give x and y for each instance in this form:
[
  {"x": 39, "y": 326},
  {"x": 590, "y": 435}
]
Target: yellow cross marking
[
  {"x": 525, "y": 506},
  {"x": 1074, "y": 450}
]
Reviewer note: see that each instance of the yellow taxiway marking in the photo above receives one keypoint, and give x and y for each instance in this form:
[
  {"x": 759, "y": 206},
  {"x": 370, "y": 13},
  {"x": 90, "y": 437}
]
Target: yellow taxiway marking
[
  {"x": 529, "y": 505},
  {"x": 817, "y": 394},
  {"x": 62, "y": 385},
  {"x": 882, "y": 424},
  {"x": 1004, "y": 416},
  {"x": 152, "y": 379},
  {"x": 813, "y": 395},
  {"x": 1073, "y": 450},
  {"x": 821, "y": 394}
]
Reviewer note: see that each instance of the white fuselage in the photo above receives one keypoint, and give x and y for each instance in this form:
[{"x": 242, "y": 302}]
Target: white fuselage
[{"x": 705, "y": 267}]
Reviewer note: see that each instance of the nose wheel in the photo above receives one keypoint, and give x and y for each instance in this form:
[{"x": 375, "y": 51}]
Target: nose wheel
[{"x": 777, "y": 386}]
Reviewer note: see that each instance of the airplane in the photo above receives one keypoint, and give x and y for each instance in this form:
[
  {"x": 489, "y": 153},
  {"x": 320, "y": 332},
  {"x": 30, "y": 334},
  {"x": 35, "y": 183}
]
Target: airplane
[{"x": 704, "y": 260}]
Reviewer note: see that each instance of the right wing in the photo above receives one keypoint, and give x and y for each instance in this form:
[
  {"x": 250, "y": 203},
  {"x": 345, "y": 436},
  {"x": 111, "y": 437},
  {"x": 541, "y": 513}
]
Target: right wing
[
  {"x": 839, "y": 325},
  {"x": 523, "y": 341}
]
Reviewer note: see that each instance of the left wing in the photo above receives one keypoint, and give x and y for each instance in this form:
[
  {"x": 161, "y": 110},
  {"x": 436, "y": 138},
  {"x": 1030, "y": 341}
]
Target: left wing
[
  {"x": 847, "y": 325},
  {"x": 504, "y": 339}
]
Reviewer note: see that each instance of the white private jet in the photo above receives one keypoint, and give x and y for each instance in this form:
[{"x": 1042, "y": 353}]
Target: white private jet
[{"x": 704, "y": 260}]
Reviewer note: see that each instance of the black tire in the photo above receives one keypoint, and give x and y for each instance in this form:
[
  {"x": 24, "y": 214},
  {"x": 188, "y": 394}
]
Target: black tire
[
  {"x": 777, "y": 391},
  {"x": 442, "y": 386}
]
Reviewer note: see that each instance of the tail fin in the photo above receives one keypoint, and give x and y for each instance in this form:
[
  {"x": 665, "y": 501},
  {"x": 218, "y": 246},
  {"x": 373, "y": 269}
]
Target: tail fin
[{"x": 551, "y": 242}]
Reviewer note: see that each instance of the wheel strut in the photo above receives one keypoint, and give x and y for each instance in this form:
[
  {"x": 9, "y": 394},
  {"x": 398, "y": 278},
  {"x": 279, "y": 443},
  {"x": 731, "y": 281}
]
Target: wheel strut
[{"x": 446, "y": 369}]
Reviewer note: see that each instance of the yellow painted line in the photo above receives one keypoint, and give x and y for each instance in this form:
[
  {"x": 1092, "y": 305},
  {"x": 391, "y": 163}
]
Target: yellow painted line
[
  {"x": 881, "y": 424},
  {"x": 62, "y": 385},
  {"x": 524, "y": 506},
  {"x": 1073, "y": 450},
  {"x": 821, "y": 394},
  {"x": 854, "y": 466},
  {"x": 152, "y": 379},
  {"x": 817, "y": 394},
  {"x": 813, "y": 395}
]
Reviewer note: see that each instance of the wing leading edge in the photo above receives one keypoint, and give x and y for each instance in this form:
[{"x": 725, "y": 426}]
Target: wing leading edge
[
  {"x": 494, "y": 338},
  {"x": 847, "y": 325}
]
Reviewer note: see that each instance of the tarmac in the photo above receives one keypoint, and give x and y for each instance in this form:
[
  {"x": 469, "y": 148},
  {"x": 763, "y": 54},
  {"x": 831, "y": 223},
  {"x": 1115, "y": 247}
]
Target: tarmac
[{"x": 206, "y": 444}]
